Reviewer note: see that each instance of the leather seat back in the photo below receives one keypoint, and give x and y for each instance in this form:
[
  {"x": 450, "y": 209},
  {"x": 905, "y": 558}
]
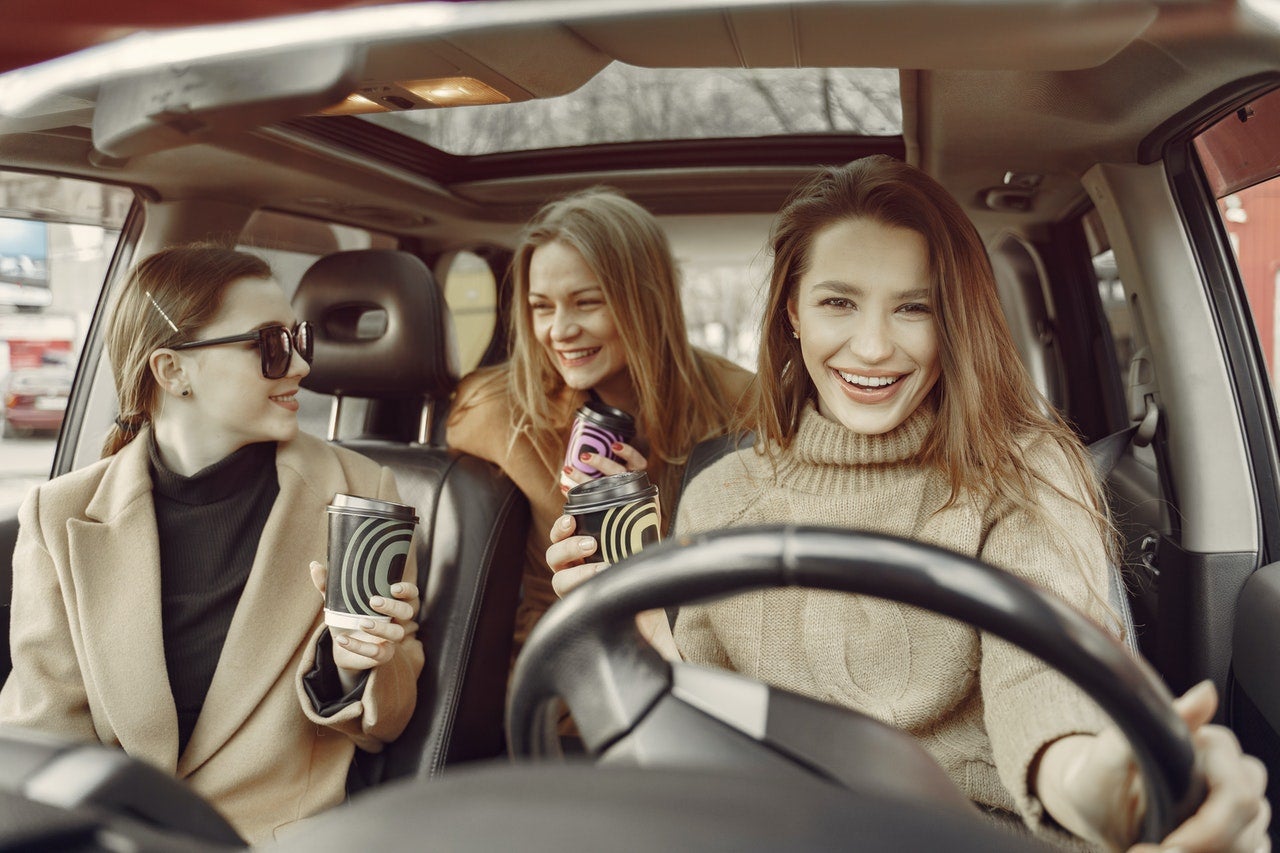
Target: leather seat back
[{"x": 383, "y": 332}]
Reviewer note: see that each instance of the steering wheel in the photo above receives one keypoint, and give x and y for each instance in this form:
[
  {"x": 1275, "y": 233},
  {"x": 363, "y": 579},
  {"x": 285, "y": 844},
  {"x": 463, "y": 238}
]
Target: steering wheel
[{"x": 625, "y": 698}]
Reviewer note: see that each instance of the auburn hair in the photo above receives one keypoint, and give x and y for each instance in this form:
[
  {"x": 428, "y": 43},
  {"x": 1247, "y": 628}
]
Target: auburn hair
[{"x": 987, "y": 406}]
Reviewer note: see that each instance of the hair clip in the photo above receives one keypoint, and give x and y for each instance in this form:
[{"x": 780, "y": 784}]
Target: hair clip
[{"x": 156, "y": 305}]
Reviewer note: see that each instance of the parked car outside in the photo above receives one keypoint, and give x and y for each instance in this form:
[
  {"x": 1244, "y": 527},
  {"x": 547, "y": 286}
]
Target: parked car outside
[{"x": 35, "y": 399}]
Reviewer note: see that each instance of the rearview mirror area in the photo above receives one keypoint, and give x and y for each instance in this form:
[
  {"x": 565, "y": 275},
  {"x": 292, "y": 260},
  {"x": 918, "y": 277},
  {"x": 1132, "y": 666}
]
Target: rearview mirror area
[{"x": 180, "y": 105}]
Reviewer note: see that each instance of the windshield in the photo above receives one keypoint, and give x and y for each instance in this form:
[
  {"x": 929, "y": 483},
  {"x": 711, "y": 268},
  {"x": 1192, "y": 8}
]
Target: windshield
[{"x": 624, "y": 103}]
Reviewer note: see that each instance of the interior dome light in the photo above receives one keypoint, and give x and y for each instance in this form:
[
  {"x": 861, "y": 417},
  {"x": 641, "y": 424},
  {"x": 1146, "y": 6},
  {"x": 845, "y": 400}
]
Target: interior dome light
[{"x": 455, "y": 91}]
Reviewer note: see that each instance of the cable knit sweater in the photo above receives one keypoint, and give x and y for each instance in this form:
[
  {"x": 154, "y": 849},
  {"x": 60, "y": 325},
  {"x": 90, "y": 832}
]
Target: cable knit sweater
[{"x": 981, "y": 707}]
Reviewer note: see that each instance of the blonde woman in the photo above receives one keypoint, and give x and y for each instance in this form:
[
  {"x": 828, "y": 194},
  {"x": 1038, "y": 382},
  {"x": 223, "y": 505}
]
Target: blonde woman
[
  {"x": 892, "y": 399},
  {"x": 165, "y": 598},
  {"x": 595, "y": 311}
]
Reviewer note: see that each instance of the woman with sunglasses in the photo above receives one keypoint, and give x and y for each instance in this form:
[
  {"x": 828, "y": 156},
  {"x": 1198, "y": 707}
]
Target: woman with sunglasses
[{"x": 165, "y": 598}]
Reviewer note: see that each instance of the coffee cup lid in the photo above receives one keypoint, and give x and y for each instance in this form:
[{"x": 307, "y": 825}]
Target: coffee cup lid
[
  {"x": 608, "y": 417},
  {"x": 609, "y": 491},
  {"x": 373, "y": 506}
]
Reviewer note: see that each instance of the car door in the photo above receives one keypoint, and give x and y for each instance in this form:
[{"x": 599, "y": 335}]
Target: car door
[
  {"x": 61, "y": 240},
  {"x": 1226, "y": 177}
]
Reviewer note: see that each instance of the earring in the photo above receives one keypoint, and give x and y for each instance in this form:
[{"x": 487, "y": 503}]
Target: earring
[
  {"x": 795, "y": 334},
  {"x": 186, "y": 392}
]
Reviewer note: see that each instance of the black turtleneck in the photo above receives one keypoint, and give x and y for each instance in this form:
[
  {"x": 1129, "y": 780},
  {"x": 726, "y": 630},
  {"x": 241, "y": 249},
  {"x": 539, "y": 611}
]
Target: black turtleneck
[{"x": 209, "y": 526}]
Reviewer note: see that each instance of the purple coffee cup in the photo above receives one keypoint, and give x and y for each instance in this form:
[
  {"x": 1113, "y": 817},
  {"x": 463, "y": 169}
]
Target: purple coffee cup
[
  {"x": 369, "y": 542},
  {"x": 595, "y": 428}
]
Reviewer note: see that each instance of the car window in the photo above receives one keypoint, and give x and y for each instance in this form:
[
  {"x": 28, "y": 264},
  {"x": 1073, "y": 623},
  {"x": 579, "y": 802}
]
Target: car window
[
  {"x": 1243, "y": 172},
  {"x": 471, "y": 290},
  {"x": 291, "y": 244},
  {"x": 57, "y": 238},
  {"x": 723, "y": 263}
]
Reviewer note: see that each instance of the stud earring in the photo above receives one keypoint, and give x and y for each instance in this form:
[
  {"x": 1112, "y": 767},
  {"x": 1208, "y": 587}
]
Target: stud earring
[
  {"x": 186, "y": 392},
  {"x": 795, "y": 334}
]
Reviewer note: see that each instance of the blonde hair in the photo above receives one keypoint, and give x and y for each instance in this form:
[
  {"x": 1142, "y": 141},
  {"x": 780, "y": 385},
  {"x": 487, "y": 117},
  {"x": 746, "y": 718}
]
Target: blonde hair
[
  {"x": 986, "y": 403},
  {"x": 627, "y": 251},
  {"x": 167, "y": 297}
]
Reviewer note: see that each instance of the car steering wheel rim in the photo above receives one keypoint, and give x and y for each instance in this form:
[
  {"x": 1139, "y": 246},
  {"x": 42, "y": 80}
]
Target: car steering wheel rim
[{"x": 587, "y": 650}]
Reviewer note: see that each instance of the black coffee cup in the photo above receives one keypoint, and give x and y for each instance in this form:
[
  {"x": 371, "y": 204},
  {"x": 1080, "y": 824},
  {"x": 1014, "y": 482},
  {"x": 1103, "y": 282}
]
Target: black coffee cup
[
  {"x": 369, "y": 542},
  {"x": 596, "y": 427},
  {"x": 619, "y": 511}
]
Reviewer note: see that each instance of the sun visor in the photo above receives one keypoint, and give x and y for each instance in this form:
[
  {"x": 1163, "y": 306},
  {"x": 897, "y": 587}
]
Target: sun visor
[{"x": 182, "y": 104}]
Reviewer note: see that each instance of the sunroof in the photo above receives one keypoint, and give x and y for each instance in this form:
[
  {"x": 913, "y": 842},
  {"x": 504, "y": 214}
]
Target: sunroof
[{"x": 624, "y": 103}]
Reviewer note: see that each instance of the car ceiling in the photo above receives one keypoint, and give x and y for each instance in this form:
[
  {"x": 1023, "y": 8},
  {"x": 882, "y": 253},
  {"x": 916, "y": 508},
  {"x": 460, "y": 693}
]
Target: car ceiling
[{"x": 1048, "y": 88}]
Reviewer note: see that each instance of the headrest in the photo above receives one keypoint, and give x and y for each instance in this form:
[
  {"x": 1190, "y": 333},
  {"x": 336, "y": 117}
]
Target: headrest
[{"x": 381, "y": 324}]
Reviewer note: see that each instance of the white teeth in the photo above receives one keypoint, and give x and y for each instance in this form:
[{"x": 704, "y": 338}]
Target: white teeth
[
  {"x": 576, "y": 354},
  {"x": 868, "y": 381}
]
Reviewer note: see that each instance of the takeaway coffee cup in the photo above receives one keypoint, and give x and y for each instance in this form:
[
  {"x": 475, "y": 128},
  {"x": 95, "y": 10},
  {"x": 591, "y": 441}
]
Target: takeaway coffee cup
[
  {"x": 595, "y": 428},
  {"x": 620, "y": 511},
  {"x": 369, "y": 542}
]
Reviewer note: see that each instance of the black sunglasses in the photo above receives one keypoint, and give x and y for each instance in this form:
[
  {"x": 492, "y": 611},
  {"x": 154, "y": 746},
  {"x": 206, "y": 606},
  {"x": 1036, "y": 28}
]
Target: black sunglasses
[{"x": 276, "y": 345}]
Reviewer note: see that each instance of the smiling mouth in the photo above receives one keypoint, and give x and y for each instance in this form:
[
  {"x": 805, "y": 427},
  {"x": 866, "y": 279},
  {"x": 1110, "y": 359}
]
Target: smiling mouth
[
  {"x": 291, "y": 397},
  {"x": 857, "y": 380},
  {"x": 570, "y": 356}
]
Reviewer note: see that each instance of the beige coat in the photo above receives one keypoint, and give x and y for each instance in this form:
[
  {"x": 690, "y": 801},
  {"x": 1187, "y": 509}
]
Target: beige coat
[{"x": 88, "y": 654}]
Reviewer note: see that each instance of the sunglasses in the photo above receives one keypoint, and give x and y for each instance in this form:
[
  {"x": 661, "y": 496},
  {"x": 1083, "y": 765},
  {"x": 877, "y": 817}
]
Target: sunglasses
[{"x": 276, "y": 345}]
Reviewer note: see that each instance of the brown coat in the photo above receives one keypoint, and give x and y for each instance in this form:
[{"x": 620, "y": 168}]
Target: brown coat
[{"x": 88, "y": 654}]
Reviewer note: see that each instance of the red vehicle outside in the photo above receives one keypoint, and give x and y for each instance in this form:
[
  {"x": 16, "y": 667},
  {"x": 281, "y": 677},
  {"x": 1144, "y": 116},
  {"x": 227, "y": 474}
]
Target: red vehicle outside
[{"x": 35, "y": 399}]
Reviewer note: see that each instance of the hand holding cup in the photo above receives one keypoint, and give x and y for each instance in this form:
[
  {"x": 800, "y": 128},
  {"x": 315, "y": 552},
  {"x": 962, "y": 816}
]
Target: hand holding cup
[
  {"x": 369, "y": 605},
  {"x": 568, "y": 554},
  {"x": 598, "y": 445},
  {"x": 615, "y": 515},
  {"x": 622, "y": 458},
  {"x": 374, "y": 642}
]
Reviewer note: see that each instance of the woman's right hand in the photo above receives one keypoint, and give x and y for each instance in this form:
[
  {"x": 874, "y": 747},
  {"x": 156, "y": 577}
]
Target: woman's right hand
[
  {"x": 632, "y": 460},
  {"x": 568, "y": 556}
]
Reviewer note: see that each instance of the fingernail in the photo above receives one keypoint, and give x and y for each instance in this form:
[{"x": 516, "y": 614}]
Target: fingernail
[
  {"x": 600, "y": 568},
  {"x": 342, "y": 641},
  {"x": 585, "y": 455},
  {"x": 377, "y": 601},
  {"x": 563, "y": 523},
  {"x": 366, "y": 623},
  {"x": 587, "y": 545},
  {"x": 568, "y": 469},
  {"x": 397, "y": 588},
  {"x": 617, "y": 446}
]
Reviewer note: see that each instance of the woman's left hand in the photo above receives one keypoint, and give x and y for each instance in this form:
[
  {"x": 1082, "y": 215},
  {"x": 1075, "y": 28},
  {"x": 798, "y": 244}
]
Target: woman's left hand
[
  {"x": 632, "y": 460},
  {"x": 1091, "y": 785},
  {"x": 376, "y": 642}
]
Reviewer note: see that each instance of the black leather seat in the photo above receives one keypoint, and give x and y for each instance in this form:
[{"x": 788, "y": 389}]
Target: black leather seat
[
  {"x": 474, "y": 521},
  {"x": 1103, "y": 453}
]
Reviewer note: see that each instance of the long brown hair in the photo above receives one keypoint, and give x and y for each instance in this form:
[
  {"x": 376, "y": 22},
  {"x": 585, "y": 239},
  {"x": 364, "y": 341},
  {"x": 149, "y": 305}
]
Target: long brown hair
[
  {"x": 627, "y": 251},
  {"x": 986, "y": 403},
  {"x": 167, "y": 297}
]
